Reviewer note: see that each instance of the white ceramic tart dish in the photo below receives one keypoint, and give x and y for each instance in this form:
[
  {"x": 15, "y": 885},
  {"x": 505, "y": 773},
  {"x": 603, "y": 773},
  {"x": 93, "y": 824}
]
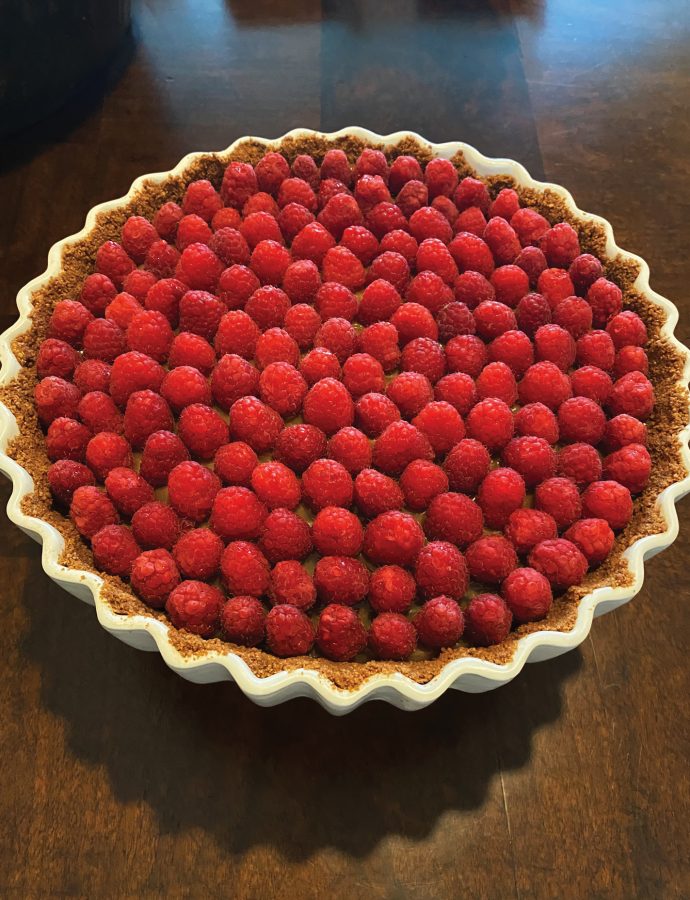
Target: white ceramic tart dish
[{"x": 472, "y": 670}]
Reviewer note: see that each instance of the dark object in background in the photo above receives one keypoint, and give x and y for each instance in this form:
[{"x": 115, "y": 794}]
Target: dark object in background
[{"x": 49, "y": 49}]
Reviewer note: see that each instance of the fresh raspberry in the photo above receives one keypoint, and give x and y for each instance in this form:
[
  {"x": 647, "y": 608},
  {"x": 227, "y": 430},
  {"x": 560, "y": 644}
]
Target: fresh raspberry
[
  {"x": 428, "y": 290},
  {"x": 425, "y": 356},
  {"x": 232, "y": 379},
  {"x": 236, "y": 285},
  {"x": 239, "y": 183},
  {"x": 501, "y": 492},
  {"x": 92, "y": 375},
  {"x": 335, "y": 164},
  {"x": 630, "y": 359},
  {"x": 532, "y": 312},
  {"x": 334, "y": 300},
  {"x": 560, "y": 498},
  {"x": 362, "y": 242},
  {"x": 530, "y": 226},
  {"x": 270, "y": 261},
  {"x": 591, "y": 382},
  {"x": 299, "y": 445},
  {"x": 114, "y": 550},
  {"x": 532, "y": 457},
  {"x": 526, "y": 528},
  {"x": 288, "y": 630},
  {"x": 514, "y": 349},
  {"x": 379, "y": 302},
  {"x": 580, "y": 462},
  {"x": 453, "y": 518},
  {"x": 326, "y": 483},
  {"x": 381, "y": 341},
  {"x": 506, "y": 204},
  {"x": 632, "y": 395},
  {"x": 371, "y": 190},
  {"x": 113, "y": 261},
  {"x": 304, "y": 167},
  {"x": 454, "y": 319},
  {"x": 301, "y": 323},
  {"x": 608, "y": 500},
  {"x": 351, "y": 448},
  {"x": 162, "y": 259},
  {"x": 386, "y": 218},
  {"x": 554, "y": 344},
  {"x": 292, "y": 219},
  {"x": 154, "y": 576},
  {"x": 502, "y": 241},
  {"x": 282, "y": 388},
  {"x": 68, "y": 322},
  {"x": 145, "y": 413},
  {"x": 201, "y": 429},
  {"x": 392, "y": 636},
  {"x": 491, "y": 422},
  {"x": 139, "y": 282},
  {"x": 440, "y": 177},
  {"x": 497, "y": 380},
  {"x": 544, "y": 383},
  {"x": 189, "y": 349},
  {"x": 376, "y": 493},
  {"x": 301, "y": 281},
  {"x": 260, "y": 226},
  {"x": 472, "y": 220},
  {"x": 106, "y": 451},
  {"x": 466, "y": 465},
  {"x": 446, "y": 206},
  {"x": 593, "y": 537},
  {"x": 487, "y": 620},
  {"x": 630, "y": 466},
  {"x": 398, "y": 445},
  {"x": 163, "y": 450},
  {"x": 623, "y": 430},
  {"x": 606, "y": 300},
  {"x": 276, "y": 345},
  {"x": 201, "y": 313},
  {"x": 230, "y": 247},
  {"x": 338, "y": 336},
  {"x": 402, "y": 170},
  {"x": 254, "y": 423},
  {"x": 421, "y": 481},
  {"x": 200, "y": 267},
  {"x": 411, "y": 392},
  {"x": 164, "y": 297},
  {"x": 627, "y": 329},
  {"x": 441, "y": 424},
  {"x": 393, "y": 537},
  {"x": 155, "y": 525},
  {"x": 457, "y": 389},
  {"x": 65, "y": 476},
  {"x": 201, "y": 199},
  {"x": 268, "y": 307},
  {"x": 555, "y": 285},
  {"x": 491, "y": 559},
  {"x": 362, "y": 374},
  {"x": 428, "y": 222},
  {"x": 166, "y": 220},
  {"x": 97, "y": 291},
  {"x": 413, "y": 320},
  {"x": 538, "y": 420},
  {"x": 584, "y": 270},
  {"x": 561, "y": 245},
  {"x": 128, "y": 491},
  {"x": 440, "y": 623},
  {"x": 441, "y": 569},
  {"x": 104, "y": 340},
  {"x": 184, "y": 386},
  {"x": 195, "y": 607},
  {"x": 434, "y": 256},
  {"x": 192, "y": 229},
  {"x": 285, "y": 536},
  {"x": 510, "y": 284},
  {"x": 581, "y": 419},
  {"x": 527, "y": 594},
  {"x": 67, "y": 439},
  {"x": 292, "y": 584},
  {"x": 472, "y": 288},
  {"x": 392, "y": 267},
  {"x": 340, "y": 635},
  {"x": 192, "y": 488},
  {"x": 532, "y": 261},
  {"x": 472, "y": 192},
  {"x": 339, "y": 213},
  {"x": 341, "y": 265},
  {"x": 560, "y": 561},
  {"x": 91, "y": 510},
  {"x": 313, "y": 242},
  {"x": 466, "y": 353},
  {"x": 244, "y": 569},
  {"x": 242, "y": 620},
  {"x": 123, "y": 309},
  {"x": 391, "y": 589},
  {"x": 56, "y": 358},
  {"x": 493, "y": 319},
  {"x": 328, "y": 405},
  {"x": 271, "y": 171},
  {"x": 237, "y": 333},
  {"x": 337, "y": 531},
  {"x": 234, "y": 463},
  {"x": 237, "y": 514},
  {"x": 341, "y": 579}
]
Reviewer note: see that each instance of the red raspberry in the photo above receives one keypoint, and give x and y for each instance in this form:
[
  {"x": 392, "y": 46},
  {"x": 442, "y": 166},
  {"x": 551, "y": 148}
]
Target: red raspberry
[
  {"x": 533, "y": 261},
  {"x": 184, "y": 386},
  {"x": 192, "y": 489},
  {"x": 96, "y": 293},
  {"x": 497, "y": 380},
  {"x": 271, "y": 171},
  {"x": 491, "y": 559},
  {"x": 362, "y": 374},
  {"x": 555, "y": 285},
  {"x": 276, "y": 345},
  {"x": 502, "y": 240},
  {"x": 514, "y": 349},
  {"x": 362, "y": 242},
  {"x": 387, "y": 222},
  {"x": 68, "y": 322},
  {"x": 593, "y": 537},
  {"x": 328, "y": 405},
  {"x": 560, "y": 561},
  {"x": 327, "y": 483},
  {"x": 351, "y": 448},
  {"x": 526, "y": 528},
  {"x": 434, "y": 256},
  {"x": 201, "y": 313},
  {"x": 391, "y": 589},
  {"x": 413, "y": 321},
  {"x": 393, "y": 537},
  {"x": 472, "y": 220},
  {"x": 506, "y": 204},
  {"x": 608, "y": 500},
  {"x": 560, "y": 498},
  {"x": 402, "y": 170},
  {"x": 329, "y": 188},
  {"x": 338, "y": 336},
  {"x": 154, "y": 576},
  {"x": 56, "y": 358},
  {"x": 285, "y": 536},
  {"x": 575, "y": 315},
  {"x": 236, "y": 285},
  {"x": 304, "y": 167},
  {"x": 242, "y": 620},
  {"x": 500, "y": 494},
  {"x": 341, "y": 265},
  {"x": 472, "y": 288},
  {"x": 581, "y": 419},
  {"x": 166, "y": 220},
  {"x": 487, "y": 620},
  {"x": 145, "y": 413},
  {"x": 92, "y": 375},
  {"x": 201, "y": 429},
  {"x": 341, "y": 579},
  {"x": 446, "y": 206},
  {"x": 579, "y": 462},
  {"x": 260, "y": 226},
  {"x": 199, "y": 267},
  {"x": 282, "y": 388},
  {"x": 237, "y": 333},
  {"x": 424, "y": 356},
  {"x": 554, "y": 344},
  {"x": 466, "y": 465},
  {"x": 65, "y": 476},
  {"x": 591, "y": 382},
  {"x": 340, "y": 634},
  {"x": 532, "y": 457},
  {"x": 299, "y": 445},
  {"x": 313, "y": 242},
  {"x": 510, "y": 284},
  {"x": 67, "y": 439},
  {"x": 292, "y": 584},
  {"x": 237, "y": 514},
  {"x": 606, "y": 300},
  {"x": 340, "y": 212},
  {"x": 231, "y": 247},
  {"x": 454, "y": 319},
  {"x": 392, "y": 267},
  {"x": 392, "y": 636},
  {"x": 334, "y": 300},
  {"x": 630, "y": 359},
  {"x": 189, "y": 349},
  {"x": 155, "y": 525},
  {"x": 430, "y": 291},
  {"x": 421, "y": 481},
  {"x": 103, "y": 340},
  {"x": 91, "y": 510},
  {"x": 268, "y": 307},
  {"x": 239, "y": 183},
  {"x": 381, "y": 341},
  {"x": 288, "y": 630},
  {"x": 301, "y": 323},
  {"x": 410, "y": 391},
  {"x": 301, "y": 281},
  {"x": 292, "y": 219},
  {"x": 441, "y": 424},
  {"x": 114, "y": 550},
  {"x": 472, "y": 192},
  {"x": 538, "y": 420},
  {"x": 527, "y": 594},
  {"x": 201, "y": 199},
  {"x": 99, "y": 413},
  {"x": 139, "y": 282},
  {"x": 428, "y": 222},
  {"x": 493, "y": 319},
  {"x": 457, "y": 389},
  {"x": 232, "y": 379},
  {"x": 376, "y": 493},
  {"x": 254, "y": 423},
  {"x": 441, "y": 569},
  {"x": 335, "y": 165},
  {"x": 244, "y": 569},
  {"x": 106, "y": 451},
  {"x": 337, "y": 531},
  {"x": 379, "y": 301},
  {"x": 398, "y": 445},
  {"x": 192, "y": 229},
  {"x": 127, "y": 490},
  {"x": 630, "y": 466},
  {"x": 375, "y": 412},
  {"x": 561, "y": 245},
  {"x": 441, "y": 177},
  {"x": 632, "y": 395},
  {"x": 197, "y": 554},
  {"x": 453, "y": 518},
  {"x": 162, "y": 259},
  {"x": 627, "y": 329},
  {"x": 164, "y": 297},
  {"x": 544, "y": 383},
  {"x": 113, "y": 261},
  {"x": 270, "y": 261},
  {"x": 532, "y": 312},
  {"x": 623, "y": 430},
  {"x": 196, "y": 607},
  {"x": 162, "y": 452},
  {"x": 584, "y": 271},
  {"x": 234, "y": 463},
  {"x": 123, "y": 309},
  {"x": 440, "y": 623},
  {"x": 490, "y": 422},
  {"x": 371, "y": 190}
]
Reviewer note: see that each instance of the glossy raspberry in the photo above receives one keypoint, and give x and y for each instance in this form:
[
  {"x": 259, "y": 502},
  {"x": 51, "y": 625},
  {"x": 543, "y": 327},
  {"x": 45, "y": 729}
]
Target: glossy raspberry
[
  {"x": 68, "y": 322},
  {"x": 154, "y": 576},
  {"x": 162, "y": 259},
  {"x": 276, "y": 345},
  {"x": 392, "y": 267},
  {"x": 114, "y": 550},
  {"x": 440, "y": 177},
  {"x": 622, "y": 430},
  {"x": 192, "y": 229},
  {"x": 292, "y": 584},
  {"x": 340, "y": 212},
  {"x": 397, "y": 240},
  {"x": 327, "y": 483},
  {"x": 92, "y": 375},
  {"x": 381, "y": 341},
  {"x": 487, "y": 620},
  {"x": 579, "y": 462},
  {"x": 428, "y": 290},
  {"x": 402, "y": 170},
  {"x": 502, "y": 240},
  {"x": 340, "y": 635},
  {"x": 188, "y": 349},
  {"x": 538, "y": 420},
  {"x": 195, "y": 607},
  {"x": 630, "y": 466},
  {"x": 351, "y": 448},
  {"x": 425, "y": 356},
  {"x": 442, "y": 425},
  {"x": 497, "y": 381},
  {"x": 532, "y": 312},
  {"x": 491, "y": 422},
  {"x": 91, "y": 510},
  {"x": 630, "y": 359},
  {"x": 113, "y": 261},
  {"x": 560, "y": 561},
  {"x": 192, "y": 488},
  {"x": 529, "y": 225},
  {"x": 441, "y": 569},
  {"x": 633, "y": 395},
  {"x": 236, "y": 285},
  {"x": 421, "y": 481},
  {"x": 472, "y": 288},
  {"x": 254, "y": 423},
  {"x": 128, "y": 491},
  {"x": 199, "y": 267},
  {"x": 234, "y": 463},
  {"x": 328, "y": 406},
  {"x": 593, "y": 537},
  {"x": 527, "y": 594},
  {"x": 399, "y": 444},
  {"x": 584, "y": 271},
  {"x": 391, "y": 589},
  {"x": 428, "y": 222},
  {"x": 440, "y": 623},
  {"x": 122, "y": 310},
  {"x": 282, "y": 388},
  {"x": 455, "y": 318},
  {"x": 258, "y": 226},
  {"x": 413, "y": 321},
  {"x": 466, "y": 465},
  {"x": 313, "y": 242},
  {"x": 337, "y": 531},
  {"x": 554, "y": 344},
  {"x": 134, "y": 371},
  {"x": 560, "y": 498},
  {"x": 532, "y": 457},
  {"x": 57, "y": 358},
  {"x": 341, "y": 579},
  {"x": 596, "y": 349},
  {"x": 453, "y": 518},
  {"x": 491, "y": 559},
  {"x": 544, "y": 383},
  {"x": 627, "y": 329},
  {"x": 606, "y": 300},
  {"x": 65, "y": 476},
  {"x": 96, "y": 293},
  {"x": 237, "y": 334},
  {"x": 466, "y": 353},
  {"x": 362, "y": 374},
  {"x": 526, "y": 528},
  {"x": 471, "y": 219},
  {"x": 434, "y": 256},
  {"x": 555, "y": 285},
  {"x": 341, "y": 265},
  {"x": 581, "y": 419},
  {"x": 155, "y": 525},
  {"x": 560, "y": 245},
  {"x": 166, "y": 220},
  {"x": 338, "y": 336},
  {"x": 242, "y": 620},
  {"x": 285, "y": 536},
  {"x": 575, "y": 315},
  {"x": 106, "y": 451},
  {"x": 458, "y": 389},
  {"x": 393, "y": 537},
  {"x": 392, "y": 636},
  {"x": 335, "y": 301},
  {"x": 506, "y": 204},
  {"x": 501, "y": 492},
  {"x": 591, "y": 382},
  {"x": 163, "y": 450},
  {"x": 318, "y": 364},
  {"x": 197, "y": 554},
  {"x": 304, "y": 167},
  {"x": 493, "y": 319},
  {"x": 268, "y": 307},
  {"x": 239, "y": 183},
  {"x": 139, "y": 282},
  {"x": 510, "y": 284},
  {"x": 288, "y": 630},
  {"x": 371, "y": 190},
  {"x": 244, "y": 569},
  {"x": 232, "y": 379},
  {"x": 67, "y": 439},
  {"x": 301, "y": 323},
  {"x": 375, "y": 493},
  {"x": 103, "y": 340},
  {"x": 270, "y": 260},
  {"x": 185, "y": 386},
  {"x": 335, "y": 165},
  {"x": 513, "y": 349},
  {"x": 360, "y": 241},
  {"x": 146, "y": 412},
  {"x": 202, "y": 430}
]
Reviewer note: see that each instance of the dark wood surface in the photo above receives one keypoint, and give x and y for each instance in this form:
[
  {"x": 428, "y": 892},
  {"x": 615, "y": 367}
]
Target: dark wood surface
[{"x": 119, "y": 779}]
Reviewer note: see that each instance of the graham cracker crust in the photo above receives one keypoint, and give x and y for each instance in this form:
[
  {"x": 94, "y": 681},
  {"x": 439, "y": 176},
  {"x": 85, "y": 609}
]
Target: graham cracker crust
[{"x": 670, "y": 415}]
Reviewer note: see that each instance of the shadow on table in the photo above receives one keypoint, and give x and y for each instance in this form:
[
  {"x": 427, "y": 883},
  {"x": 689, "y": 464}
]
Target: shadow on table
[{"x": 290, "y": 776}]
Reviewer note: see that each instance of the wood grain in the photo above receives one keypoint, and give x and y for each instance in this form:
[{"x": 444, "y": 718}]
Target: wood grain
[{"x": 119, "y": 779}]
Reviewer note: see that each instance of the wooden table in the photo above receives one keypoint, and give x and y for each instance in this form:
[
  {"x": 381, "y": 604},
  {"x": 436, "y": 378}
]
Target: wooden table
[{"x": 119, "y": 779}]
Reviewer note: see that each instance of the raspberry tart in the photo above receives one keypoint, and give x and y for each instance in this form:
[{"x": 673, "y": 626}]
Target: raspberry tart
[{"x": 347, "y": 416}]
